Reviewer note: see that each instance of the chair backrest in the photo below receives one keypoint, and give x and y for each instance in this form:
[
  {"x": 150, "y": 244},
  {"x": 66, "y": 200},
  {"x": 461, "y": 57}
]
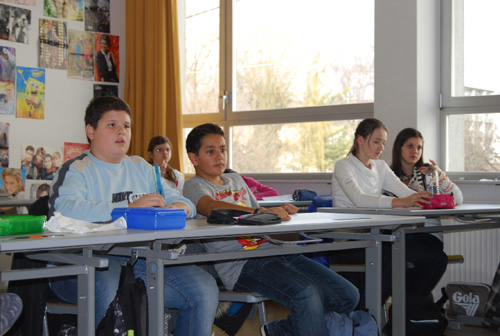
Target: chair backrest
[{"x": 320, "y": 201}]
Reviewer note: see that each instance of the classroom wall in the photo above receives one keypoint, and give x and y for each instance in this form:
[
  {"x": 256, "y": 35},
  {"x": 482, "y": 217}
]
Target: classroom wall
[{"x": 65, "y": 98}]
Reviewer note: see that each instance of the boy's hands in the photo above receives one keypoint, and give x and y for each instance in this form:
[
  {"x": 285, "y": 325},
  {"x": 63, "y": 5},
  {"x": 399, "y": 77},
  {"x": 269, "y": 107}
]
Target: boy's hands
[
  {"x": 283, "y": 212},
  {"x": 148, "y": 201}
]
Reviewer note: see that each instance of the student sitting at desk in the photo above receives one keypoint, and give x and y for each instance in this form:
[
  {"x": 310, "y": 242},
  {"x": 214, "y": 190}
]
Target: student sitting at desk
[
  {"x": 359, "y": 180},
  {"x": 160, "y": 153},
  {"x": 91, "y": 185},
  {"x": 427, "y": 253},
  {"x": 306, "y": 288},
  {"x": 258, "y": 189}
]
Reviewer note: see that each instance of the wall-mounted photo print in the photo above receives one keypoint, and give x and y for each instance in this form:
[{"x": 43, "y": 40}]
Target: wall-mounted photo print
[
  {"x": 97, "y": 13},
  {"x": 73, "y": 149},
  {"x": 81, "y": 55},
  {"x": 30, "y": 93},
  {"x": 53, "y": 44},
  {"x": 64, "y": 9},
  {"x": 7, "y": 80},
  {"x": 15, "y": 24},
  {"x": 107, "y": 60}
]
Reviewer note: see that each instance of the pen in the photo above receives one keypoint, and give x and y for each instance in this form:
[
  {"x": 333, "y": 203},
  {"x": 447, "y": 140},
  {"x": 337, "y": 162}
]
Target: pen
[
  {"x": 34, "y": 237},
  {"x": 159, "y": 186}
]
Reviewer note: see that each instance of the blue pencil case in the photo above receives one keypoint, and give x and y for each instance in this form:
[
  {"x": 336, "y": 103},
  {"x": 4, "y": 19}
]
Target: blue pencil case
[{"x": 151, "y": 218}]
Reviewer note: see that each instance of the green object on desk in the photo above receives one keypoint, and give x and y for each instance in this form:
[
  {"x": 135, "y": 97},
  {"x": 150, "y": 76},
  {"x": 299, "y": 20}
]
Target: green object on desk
[{"x": 11, "y": 225}]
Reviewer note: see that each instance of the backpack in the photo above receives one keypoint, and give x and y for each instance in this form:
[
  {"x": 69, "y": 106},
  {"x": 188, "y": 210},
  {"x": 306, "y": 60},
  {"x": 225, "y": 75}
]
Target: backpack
[
  {"x": 423, "y": 317},
  {"x": 129, "y": 308},
  {"x": 467, "y": 299},
  {"x": 357, "y": 323}
]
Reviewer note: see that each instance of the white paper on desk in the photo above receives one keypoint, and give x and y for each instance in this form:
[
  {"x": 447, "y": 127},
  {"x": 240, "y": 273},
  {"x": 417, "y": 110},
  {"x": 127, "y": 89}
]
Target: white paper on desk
[
  {"x": 60, "y": 223},
  {"x": 280, "y": 198}
]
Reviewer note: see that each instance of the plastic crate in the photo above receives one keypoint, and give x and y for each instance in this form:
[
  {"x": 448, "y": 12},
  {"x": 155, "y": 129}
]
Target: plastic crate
[{"x": 151, "y": 218}]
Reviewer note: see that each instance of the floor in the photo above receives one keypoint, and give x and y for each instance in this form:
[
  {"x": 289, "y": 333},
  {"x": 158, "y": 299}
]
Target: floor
[{"x": 276, "y": 311}]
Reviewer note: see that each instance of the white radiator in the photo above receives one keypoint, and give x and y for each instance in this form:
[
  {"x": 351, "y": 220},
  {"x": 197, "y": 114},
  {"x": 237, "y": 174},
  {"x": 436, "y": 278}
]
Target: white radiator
[{"x": 481, "y": 251}]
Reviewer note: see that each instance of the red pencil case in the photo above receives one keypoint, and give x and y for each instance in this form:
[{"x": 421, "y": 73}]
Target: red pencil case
[{"x": 444, "y": 201}]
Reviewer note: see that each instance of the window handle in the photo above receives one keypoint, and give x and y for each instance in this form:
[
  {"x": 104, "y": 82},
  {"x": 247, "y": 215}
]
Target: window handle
[{"x": 224, "y": 98}]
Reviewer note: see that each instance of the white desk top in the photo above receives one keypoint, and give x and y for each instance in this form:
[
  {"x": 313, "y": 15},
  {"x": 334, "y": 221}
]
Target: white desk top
[
  {"x": 463, "y": 209},
  {"x": 15, "y": 202},
  {"x": 198, "y": 228}
]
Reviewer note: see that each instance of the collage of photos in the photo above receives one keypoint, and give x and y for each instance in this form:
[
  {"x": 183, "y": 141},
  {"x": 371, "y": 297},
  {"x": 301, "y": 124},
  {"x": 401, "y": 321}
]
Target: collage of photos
[
  {"x": 91, "y": 55},
  {"x": 38, "y": 167}
]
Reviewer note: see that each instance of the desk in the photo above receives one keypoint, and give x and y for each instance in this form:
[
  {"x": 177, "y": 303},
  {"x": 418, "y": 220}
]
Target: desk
[
  {"x": 398, "y": 248},
  {"x": 16, "y": 202},
  {"x": 271, "y": 204},
  {"x": 83, "y": 266},
  {"x": 318, "y": 225}
]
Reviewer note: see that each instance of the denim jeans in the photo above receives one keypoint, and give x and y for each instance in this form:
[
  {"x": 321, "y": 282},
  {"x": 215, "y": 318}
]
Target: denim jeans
[
  {"x": 308, "y": 289},
  {"x": 189, "y": 289}
]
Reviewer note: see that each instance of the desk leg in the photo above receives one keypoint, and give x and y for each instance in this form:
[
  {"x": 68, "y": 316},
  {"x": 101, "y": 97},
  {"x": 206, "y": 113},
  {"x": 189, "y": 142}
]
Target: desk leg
[
  {"x": 86, "y": 302},
  {"x": 399, "y": 284},
  {"x": 156, "y": 292},
  {"x": 373, "y": 281}
]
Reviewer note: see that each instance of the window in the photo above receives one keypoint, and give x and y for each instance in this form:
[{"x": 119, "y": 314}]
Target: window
[
  {"x": 471, "y": 92},
  {"x": 288, "y": 80}
]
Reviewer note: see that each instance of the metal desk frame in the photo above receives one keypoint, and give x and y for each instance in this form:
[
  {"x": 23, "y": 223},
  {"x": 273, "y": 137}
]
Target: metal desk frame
[{"x": 399, "y": 245}]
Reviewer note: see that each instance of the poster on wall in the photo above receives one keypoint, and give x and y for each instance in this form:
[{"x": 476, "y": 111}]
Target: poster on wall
[
  {"x": 21, "y": 2},
  {"x": 81, "y": 55},
  {"x": 30, "y": 93},
  {"x": 101, "y": 90},
  {"x": 64, "y": 9},
  {"x": 7, "y": 80},
  {"x": 53, "y": 44},
  {"x": 13, "y": 181},
  {"x": 73, "y": 149},
  {"x": 42, "y": 163},
  {"x": 107, "y": 60},
  {"x": 97, "y": 13},
  {"x": 4, "y": 144},
  {"x": 14, "y": 23}
]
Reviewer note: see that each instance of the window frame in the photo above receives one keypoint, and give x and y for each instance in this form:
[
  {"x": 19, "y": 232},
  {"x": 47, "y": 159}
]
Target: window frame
[
  {"x": 227, "y": 118},
  {"x": 456, "y": 105}
]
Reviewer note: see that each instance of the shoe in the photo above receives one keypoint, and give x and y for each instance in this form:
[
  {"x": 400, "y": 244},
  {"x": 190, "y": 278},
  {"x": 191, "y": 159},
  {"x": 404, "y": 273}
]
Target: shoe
[
  {"x": 11, "y": 307},
  {"x": 263, "y": 330}
]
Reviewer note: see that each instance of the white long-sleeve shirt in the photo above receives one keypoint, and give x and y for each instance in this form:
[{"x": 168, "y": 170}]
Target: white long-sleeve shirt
[{"x": 355, "y": 185}]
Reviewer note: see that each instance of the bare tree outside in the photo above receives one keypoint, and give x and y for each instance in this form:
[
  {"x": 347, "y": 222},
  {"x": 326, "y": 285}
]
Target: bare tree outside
[
  {"x": 281, "y": 64},
  {"x": 482, "y": 144}
]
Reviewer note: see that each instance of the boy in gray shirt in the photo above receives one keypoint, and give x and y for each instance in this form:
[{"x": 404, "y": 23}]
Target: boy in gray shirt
[{"x": 309, "y": 290}]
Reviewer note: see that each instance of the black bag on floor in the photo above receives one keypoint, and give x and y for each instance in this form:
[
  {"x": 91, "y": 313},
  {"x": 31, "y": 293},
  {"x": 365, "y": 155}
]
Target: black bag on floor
[
  {"x": 129, "y": 309},
  {"x": 423, "y": 317}
]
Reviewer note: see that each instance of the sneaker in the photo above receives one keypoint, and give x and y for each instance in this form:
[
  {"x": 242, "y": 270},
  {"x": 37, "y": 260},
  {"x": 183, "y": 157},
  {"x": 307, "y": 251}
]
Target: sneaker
[
  {"x": 11, "y": 307},
  {"x": 263, "y": 330}
]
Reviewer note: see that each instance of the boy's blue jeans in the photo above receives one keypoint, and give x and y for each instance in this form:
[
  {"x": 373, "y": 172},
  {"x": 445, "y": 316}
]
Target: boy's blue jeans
[
  {"x": 307, "y": 288},
  {"x": 188, "y": 288}
]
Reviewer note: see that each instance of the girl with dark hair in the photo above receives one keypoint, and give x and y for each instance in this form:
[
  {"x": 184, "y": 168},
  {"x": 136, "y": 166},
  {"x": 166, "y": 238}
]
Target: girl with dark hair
[
  {"x": 426, "y": 252},
  {"x": 409, "y": 166},
  {"x": 160, "y": 153}
]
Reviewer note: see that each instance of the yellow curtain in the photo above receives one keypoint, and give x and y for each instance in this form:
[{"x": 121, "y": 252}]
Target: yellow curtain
[{"x": 152, "y": 76}]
